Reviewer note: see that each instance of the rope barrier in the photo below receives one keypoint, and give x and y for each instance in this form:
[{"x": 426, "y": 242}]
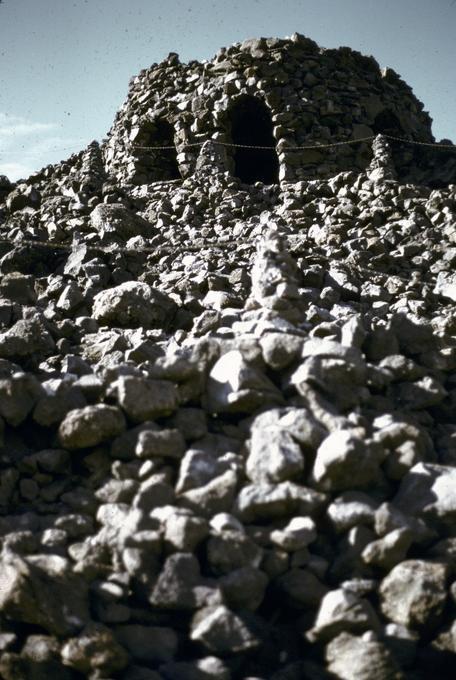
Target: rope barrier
[
  {"x": 171, "y": 146},
  {"x": 164, "y": 250},
  {"x": 305, "y": 147},
  {"x": 298, "y": 148},
  {"x": 158, "y": 250},
  {"x": 452, "y": 147},
  {"x": 293, "y": 240}
]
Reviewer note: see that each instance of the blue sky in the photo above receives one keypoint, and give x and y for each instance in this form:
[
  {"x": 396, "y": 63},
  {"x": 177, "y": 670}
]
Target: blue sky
[{"x": 65, "y": 64}]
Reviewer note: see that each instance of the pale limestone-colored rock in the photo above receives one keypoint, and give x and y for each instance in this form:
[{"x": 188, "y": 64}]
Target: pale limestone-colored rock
[
  {"x": 427, "y": 490},
  {"x": 387, "y": 551}
]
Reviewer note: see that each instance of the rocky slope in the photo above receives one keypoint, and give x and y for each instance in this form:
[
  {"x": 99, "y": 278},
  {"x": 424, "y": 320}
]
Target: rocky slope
[{"x": 227, "y": 414}]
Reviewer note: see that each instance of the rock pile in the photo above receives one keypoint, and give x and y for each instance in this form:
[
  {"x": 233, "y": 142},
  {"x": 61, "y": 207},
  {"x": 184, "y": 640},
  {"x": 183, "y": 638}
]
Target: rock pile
[{"x": 227, "y": 416}]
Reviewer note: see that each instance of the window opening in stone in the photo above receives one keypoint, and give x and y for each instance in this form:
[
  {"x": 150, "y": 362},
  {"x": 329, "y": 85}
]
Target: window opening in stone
[{"x": 251, "y": 124}]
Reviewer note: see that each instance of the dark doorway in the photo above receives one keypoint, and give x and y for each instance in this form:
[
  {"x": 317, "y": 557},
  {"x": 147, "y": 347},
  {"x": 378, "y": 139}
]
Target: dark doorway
[
  {"x": 153, "y": 163},
  {"x": 251, "y": 124},
  {"x": 166, "y": 159},
  {"x": 387, "y": 123},
  {"x": 404, "y": 156}
]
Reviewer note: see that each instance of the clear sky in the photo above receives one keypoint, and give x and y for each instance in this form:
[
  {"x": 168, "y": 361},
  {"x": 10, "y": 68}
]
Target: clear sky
[{"x": 65, "y": 64}]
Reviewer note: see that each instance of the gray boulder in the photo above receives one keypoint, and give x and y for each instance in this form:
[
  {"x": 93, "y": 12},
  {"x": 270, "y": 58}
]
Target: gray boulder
[
  {"x": 414, "y": 593},
  {"x": 235, "y": 386},
  {"x": 273, "y": 456},
  {"x": 345, "y": 460},
  {"x": 351, "y": 508},
  {"x": 427, "y": 491},
  {"x": 95, "y": 650},
  {"x": 222, "y": 631},
  {"x": 91, "y": 425},
  {"x": 41, "y": 590},
  {"x": 25, "y": 338},
  {"x": 144, "y": 399},
  {"x": 266, "y": 501},
  {"x": 23, "y": 197},
  {"x": 134, "y": 304},
  {"x": 343, "y": 611},
  {"x": 18, "y": 288},
  {"x": 350, "y": 657},
  {"x": 180, "y": 585},
  {"x": 116, "y": 220},
  {"x": 18, "y": 396}
]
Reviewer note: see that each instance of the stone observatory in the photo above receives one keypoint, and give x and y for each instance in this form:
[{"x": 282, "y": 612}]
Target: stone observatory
[
  {"x": 264, "y": 92},
  {"x": 228, "y": 382}
]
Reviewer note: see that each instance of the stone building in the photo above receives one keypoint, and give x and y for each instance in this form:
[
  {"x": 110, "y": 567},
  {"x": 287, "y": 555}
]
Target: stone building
[{"x": 278, "y": 93}]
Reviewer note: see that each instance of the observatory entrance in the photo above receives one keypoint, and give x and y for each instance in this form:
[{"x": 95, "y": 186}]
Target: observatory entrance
[
  {"x": 387, "y": 123},
  {"x": 166, "y": 159},
  {"x": 251, "y": 125},
  {"x": 153, "y": 162}
]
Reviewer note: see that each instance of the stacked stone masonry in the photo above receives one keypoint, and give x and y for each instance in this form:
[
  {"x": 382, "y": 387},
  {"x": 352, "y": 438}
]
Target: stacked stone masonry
[{"x": 227, "y": 405}]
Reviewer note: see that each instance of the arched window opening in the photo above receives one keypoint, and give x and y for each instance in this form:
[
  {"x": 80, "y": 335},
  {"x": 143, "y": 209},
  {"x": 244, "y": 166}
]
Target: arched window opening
[
  {"x": 251, "y": 125},
  {"x": 153, "y": 163}
]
